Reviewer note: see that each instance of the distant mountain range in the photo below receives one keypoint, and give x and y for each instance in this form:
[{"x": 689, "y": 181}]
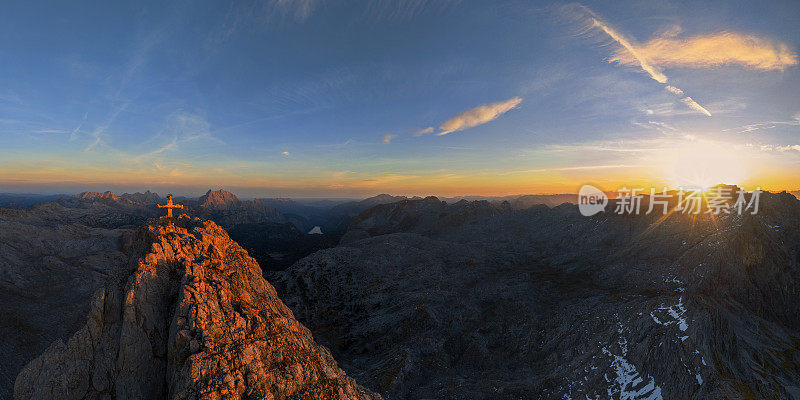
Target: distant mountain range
[{"x": 14, "y": 200}]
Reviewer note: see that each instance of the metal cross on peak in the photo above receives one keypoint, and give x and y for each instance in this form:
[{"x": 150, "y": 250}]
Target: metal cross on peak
[{"x": 169, "y": 206}]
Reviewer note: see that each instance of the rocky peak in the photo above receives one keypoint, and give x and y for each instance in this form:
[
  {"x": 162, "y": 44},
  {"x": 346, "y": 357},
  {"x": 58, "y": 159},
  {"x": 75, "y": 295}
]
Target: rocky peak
[
  {"x": 383, "y": 198},
  {"x": 219, "y": 200},
  {"x": 107, "y": 195},
  {"x": 191, "y": 317},
  {"x": 147, "y": 197}
]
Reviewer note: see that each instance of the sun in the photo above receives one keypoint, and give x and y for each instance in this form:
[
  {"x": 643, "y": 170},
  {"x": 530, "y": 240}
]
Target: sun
[{"x": 701, "y": 164}]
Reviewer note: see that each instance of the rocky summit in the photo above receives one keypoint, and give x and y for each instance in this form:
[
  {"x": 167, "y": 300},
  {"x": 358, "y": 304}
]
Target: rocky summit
[{"x": 188, "y": 316}]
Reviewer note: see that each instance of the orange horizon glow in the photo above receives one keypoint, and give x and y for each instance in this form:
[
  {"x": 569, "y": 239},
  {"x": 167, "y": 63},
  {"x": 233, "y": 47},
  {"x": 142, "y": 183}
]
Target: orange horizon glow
[{"x": 450, "y": 185}]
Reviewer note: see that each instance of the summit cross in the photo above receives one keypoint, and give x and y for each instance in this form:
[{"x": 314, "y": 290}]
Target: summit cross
[{"x": 169, "y": 206}]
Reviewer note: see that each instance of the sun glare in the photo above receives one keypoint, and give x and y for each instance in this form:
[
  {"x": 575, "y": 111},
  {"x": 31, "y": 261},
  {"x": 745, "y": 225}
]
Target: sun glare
[{"x": 702, "y": 164}]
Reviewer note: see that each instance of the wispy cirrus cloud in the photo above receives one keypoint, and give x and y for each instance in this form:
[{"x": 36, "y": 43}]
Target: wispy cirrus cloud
[
  {"x": 711, "y": 50},
  {"x": 795, "y": 121},
  {"x": 424, "y": 131},
  {"x": 631, "y": 53},
  {"x": 180, "y": 128},
  {"x": 387, "y": 138},
  {"x": 379, "y": 10},
  {"x": 694, "y": 106},
  {"x": 627, "y": 47},
  {"x": 478, "y": 115},
  {"x": 673, "y": 90},
  {"x": 784, "y": 148},
  {"x": 297, "y": 9}
]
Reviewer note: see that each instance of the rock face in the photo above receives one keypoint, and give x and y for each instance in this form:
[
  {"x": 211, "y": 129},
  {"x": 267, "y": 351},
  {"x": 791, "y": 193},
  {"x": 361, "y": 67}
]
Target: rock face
[
  {"x": 50, "y": 265},
  {"x": 226, "y": 209},
  {"x": 190, "y": 317},
  {"x": 473, "y": 300},
  {"x": 107, "y": 195},
  {"x": 219, "y": 200}
]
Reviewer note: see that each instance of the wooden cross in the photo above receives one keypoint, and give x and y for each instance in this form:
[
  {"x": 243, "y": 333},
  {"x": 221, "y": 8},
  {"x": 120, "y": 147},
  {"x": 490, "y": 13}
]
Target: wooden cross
[{"x": 169, "y": 206}]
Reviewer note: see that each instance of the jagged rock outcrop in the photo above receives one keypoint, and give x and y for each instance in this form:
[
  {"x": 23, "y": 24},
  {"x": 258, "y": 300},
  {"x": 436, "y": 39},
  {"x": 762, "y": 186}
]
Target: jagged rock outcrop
[
  {"x": 219, "y": 200},
  {"x": 191, "y": 317},
  {"x": 94, "y": 196}
]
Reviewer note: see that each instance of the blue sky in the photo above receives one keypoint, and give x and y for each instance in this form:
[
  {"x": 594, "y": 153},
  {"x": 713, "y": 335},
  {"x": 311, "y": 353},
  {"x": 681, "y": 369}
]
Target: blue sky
[{"x": 324, "y": 98}]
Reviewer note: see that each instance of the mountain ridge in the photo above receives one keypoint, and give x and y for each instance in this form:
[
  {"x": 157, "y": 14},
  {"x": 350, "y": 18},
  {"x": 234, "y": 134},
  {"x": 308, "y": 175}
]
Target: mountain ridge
[{"x": 190, "y": 317}]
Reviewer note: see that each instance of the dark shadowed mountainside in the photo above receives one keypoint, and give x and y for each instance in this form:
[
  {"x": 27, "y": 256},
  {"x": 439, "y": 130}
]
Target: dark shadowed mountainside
[
  {"x": 277, "y": 246},
  {"x": 476, "y": 300},
  {"x": 50, "y": 264}
]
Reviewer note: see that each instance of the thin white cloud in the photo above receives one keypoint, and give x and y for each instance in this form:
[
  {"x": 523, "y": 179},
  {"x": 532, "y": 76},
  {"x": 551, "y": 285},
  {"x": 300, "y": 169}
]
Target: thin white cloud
[
  {"x": 380, "y": 10},
  {"x": 180, "y": 127},
  {"x": 765, "y": 125},
  {"x": 659, "y": 126},
  {"x": 387, "y": 138},
  {"x": 674, "y": 90},
  {"x": 424, "y": 131},
  {"x": 770, "y": 147},
  {"x": 97, "y": 136},
  {"x": 74, "y": 133},
  {"x": 670, "y": 109},
  {"x": 478, "y": 116},
  {"x": 169, "y": 146},
  {"x": 300, "y": 10},
  {"x": 693, "y": 105}
]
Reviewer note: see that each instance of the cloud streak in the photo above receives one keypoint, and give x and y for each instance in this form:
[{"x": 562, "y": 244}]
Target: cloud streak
[
  {"x": 694, "y": 106},
  {"x": 711, "y": 50},
  {"x": 673, "y": 90},
  {"x": 387, "y": 138},
  {"x": 630, "y": 53},
  {"x": 478, "y": 116},
  {"x": 424, "y": 131},
  {"x": 629, "y": 49}
]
